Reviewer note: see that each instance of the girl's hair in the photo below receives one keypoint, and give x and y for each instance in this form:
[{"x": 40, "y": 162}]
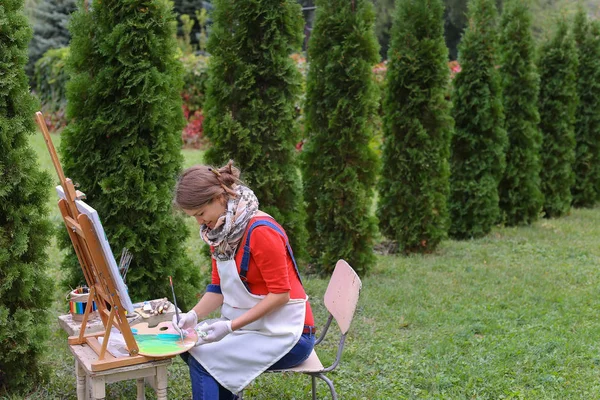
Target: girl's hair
[{"x": 201, "y": 184}]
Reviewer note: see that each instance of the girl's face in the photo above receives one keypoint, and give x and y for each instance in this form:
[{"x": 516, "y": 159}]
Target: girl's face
[{"x": 209, "y": 213}]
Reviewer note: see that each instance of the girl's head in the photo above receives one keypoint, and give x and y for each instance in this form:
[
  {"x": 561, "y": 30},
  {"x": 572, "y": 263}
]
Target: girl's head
[{"x": 200, "y": 185}]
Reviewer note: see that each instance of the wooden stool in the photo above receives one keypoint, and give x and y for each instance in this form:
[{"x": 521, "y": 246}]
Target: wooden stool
[{"x": 92, "y": 384}]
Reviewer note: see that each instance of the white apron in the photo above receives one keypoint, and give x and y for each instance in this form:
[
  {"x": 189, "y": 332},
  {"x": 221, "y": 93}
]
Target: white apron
[{"x": 241, "y": 356}]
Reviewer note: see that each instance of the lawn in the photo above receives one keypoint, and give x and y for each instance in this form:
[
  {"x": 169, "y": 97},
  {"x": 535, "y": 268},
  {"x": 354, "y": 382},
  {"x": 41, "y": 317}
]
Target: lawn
[{"x": 509, "y": 316}]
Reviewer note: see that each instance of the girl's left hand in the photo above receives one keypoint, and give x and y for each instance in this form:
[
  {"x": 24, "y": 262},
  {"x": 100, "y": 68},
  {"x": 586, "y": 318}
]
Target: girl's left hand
[{"x": 215, "y": 332}]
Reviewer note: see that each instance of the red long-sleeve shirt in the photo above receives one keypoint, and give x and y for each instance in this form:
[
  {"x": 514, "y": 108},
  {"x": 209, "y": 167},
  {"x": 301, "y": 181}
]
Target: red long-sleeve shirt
[{"x": 270, "y": 269}]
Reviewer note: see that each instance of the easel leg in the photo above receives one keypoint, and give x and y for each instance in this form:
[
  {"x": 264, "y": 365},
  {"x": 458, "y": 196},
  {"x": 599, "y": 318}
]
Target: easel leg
[
  {"x": 161, "y": 382},
  {"x": 97, "y": 386},
  {"x": 141, "y": 390},
  {"x": 80, "y": 375}
]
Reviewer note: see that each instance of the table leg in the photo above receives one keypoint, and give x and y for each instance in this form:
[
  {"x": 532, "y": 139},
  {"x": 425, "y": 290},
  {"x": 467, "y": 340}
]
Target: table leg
[
  {"x": 80, "y": 376},
  {"x": 97, "y": 387},
  {"x": 161, "y": 382},
  {"x": 141, "y": 389}
]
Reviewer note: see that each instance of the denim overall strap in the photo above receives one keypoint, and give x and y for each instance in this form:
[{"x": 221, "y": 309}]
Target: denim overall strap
[{"x": 246, "y": 256}]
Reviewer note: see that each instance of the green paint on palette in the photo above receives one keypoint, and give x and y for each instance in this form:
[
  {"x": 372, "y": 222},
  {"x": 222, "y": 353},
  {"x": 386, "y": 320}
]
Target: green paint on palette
[{"x": 161, "y": 343}]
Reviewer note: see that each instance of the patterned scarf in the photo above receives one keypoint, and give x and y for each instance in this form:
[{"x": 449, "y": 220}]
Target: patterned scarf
[{"x": 230, "y": 227}]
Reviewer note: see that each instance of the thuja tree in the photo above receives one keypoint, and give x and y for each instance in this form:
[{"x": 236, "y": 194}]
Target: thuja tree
[
  {"x": 251, "y": 100},
  {"x": 50, "y": 28},
  {"x": 25, "y": 288},
  {"x": 339, "y": 166},
  {"x": 123, "y": 143},
  {"x": 478, "y": 145},
  {"x": 586, "y": 189},
  {"x": 557, "y": 66},
  {"x": 413, "y": 187},
  {"x": 520, "y": 193}
]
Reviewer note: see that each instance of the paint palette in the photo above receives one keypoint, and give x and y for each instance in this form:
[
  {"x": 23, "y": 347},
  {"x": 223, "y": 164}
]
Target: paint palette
[{"x": 162, "y": 340}]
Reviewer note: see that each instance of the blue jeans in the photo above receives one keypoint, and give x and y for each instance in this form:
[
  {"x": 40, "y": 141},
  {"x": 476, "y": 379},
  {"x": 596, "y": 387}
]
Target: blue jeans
[{"x": 205, "y": 387}]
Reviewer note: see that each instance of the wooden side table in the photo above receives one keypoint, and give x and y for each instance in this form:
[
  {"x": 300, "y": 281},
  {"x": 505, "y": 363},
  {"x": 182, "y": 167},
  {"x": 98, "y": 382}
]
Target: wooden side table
[{"x": 92, "y": 384}]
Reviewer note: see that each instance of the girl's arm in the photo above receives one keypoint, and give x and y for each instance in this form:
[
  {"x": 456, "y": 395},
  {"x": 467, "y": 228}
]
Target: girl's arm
[{"x": 208, "y": 303}]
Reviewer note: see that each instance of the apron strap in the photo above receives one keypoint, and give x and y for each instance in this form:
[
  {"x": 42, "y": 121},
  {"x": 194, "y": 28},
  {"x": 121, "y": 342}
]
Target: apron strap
[{"x": 246, "y": 256}]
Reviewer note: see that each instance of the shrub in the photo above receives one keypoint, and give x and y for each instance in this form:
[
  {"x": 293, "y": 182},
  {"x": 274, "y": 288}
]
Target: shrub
[
  {"x": 250, "y": 109},
  {"x": 586, "y": 189},
  {"x": 339, "y": 166},
  {"x": 478, "y": 145},
  {"x": 413, "y": 188},
  {"x": 557, "y": 66},
  {"x": 25, "y": 230},
  {"x": 520, "y": 194},
  {"x": 50, "y": 85},
  {"x": 123, "y": 142}
]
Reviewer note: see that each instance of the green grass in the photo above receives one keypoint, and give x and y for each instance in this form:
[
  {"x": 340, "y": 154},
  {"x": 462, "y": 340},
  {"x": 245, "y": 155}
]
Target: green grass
[{"x": 509, "y": 316}]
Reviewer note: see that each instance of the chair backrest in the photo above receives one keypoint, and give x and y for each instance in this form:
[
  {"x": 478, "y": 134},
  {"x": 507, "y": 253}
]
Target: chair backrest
[{"x": 341, "y": 296}]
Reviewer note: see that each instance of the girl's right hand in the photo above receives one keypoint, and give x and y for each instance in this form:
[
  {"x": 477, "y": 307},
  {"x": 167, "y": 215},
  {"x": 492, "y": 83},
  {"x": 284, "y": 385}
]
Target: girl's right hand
[{"x": 186, "y": 321}]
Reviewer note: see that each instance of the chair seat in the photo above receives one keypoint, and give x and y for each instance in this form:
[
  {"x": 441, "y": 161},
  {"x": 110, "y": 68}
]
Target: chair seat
[{"x": 311, "y": 364}]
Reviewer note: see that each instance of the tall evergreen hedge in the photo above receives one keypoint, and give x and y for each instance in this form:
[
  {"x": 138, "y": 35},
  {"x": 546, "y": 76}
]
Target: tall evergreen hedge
[
  {"x": 586, "y": 191},
  {"x": 479, "y": 143},
  {"x": 123, "y": 143},
  {"x": 25, "y": 230},
  {"x": 51, "y": 19},
  {"x": 253, "y": 90},
  {"x": 339, "y": 166},
  {"x": 557, "y": 66},
  {"x": 413, "y": 187},
  {"x": 520, "y": 194}
]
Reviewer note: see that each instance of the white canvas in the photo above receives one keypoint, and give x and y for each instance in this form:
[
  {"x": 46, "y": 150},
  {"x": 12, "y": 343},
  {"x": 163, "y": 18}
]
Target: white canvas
[{"x": 107, "y": 252}]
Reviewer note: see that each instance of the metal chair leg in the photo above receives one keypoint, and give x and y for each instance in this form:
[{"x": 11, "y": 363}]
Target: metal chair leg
[
  {"x": 314, "y": 387},
  {"x": 329, "y": 383}
]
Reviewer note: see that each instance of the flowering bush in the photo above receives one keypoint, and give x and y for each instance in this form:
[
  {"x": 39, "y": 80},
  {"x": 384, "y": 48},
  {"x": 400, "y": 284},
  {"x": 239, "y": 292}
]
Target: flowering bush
[
  {"x": 454, "y": 68},
  {"x": 379, "y": 70},
  {"x": 194, "y": 89}
]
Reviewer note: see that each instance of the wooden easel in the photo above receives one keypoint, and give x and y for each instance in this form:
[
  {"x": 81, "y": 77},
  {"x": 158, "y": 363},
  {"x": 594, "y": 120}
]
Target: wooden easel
[{"x": 97, "y": 276}]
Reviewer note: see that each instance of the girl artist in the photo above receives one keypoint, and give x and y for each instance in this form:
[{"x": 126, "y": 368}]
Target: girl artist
[{"x": 266, "y": 321}]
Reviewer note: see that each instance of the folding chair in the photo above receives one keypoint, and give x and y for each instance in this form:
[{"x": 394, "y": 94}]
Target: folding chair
[{"x": 340, "y": 300}]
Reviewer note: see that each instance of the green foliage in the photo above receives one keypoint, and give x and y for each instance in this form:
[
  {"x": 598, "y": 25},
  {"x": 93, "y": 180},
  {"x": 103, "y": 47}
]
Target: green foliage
[
  {"x": 123, "y": 144},
  {"x": 51, "y": 18},
  {"x": 339, "y": 166},
  {"x": 25, "y": 230},
  {"x": 586, "y": 190},
  {"x": 413, "y": 188},
  {"x": 557, "y": 66},
  {"x": 520, "y": 195},
  {"x": 250, "y": 103},
  {"x": 479, "y": 143}
]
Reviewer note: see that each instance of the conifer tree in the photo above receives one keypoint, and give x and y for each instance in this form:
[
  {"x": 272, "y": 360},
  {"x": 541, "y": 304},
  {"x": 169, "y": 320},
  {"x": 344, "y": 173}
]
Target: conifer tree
[
  {"x": 123, "y": 143},
  {"x": 557, "y": 66},
  {"x": 50, "y": 28},
  {"x": 25, "y": 230},
  {"x": 339, "y": 166},
  {"x": 191, "y": 8},
  {"x": 413, "y": 187},
  {"x": 250, "y": 107},
  {"x": 479, "y": 142},
  {"x": 586, "y": 190},
  {"x": 520, "y": 193}
]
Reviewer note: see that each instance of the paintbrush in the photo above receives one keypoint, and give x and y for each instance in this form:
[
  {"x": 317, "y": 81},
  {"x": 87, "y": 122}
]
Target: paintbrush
[{"x": 175, "y": 304}]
